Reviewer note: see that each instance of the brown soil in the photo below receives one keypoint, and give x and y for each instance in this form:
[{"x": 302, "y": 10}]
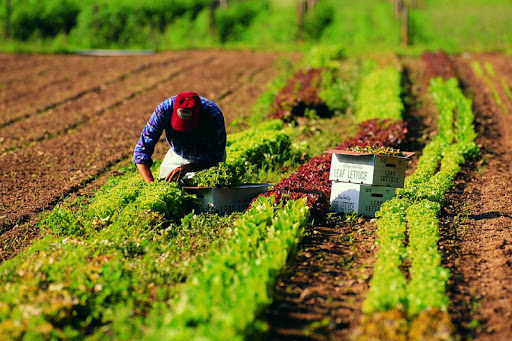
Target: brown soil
[
  {"x": 477, "y": 224},
  {"x": 321, "y": 294},
  {"x": 26, "y": 67},
  {"x": 82, "y": 129}
]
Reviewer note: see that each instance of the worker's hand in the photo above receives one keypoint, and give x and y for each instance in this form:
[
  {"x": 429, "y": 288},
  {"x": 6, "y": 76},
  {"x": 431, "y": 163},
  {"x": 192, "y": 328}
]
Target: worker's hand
[
  {"x": 179, "y": 173},
  {"x": 176, "y": 174}
]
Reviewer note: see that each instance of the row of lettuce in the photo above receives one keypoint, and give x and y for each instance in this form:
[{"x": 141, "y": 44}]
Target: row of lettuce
[
  {"x": 495, "y": 83},
  {"x": 414, "y": 213}
]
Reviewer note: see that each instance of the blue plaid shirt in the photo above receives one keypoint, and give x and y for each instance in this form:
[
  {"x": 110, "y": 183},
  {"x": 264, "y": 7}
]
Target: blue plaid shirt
[{"x": 207, "y": 143}]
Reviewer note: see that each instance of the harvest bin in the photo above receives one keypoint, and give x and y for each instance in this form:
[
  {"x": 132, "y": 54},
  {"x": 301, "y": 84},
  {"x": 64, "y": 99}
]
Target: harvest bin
[
  {"x": 224, "y": 200},
  {"x": 363, "y": 199},
  {"x": 368, "y": 168}
]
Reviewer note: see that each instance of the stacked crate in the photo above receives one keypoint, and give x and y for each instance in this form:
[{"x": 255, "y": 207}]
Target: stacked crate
[{"x": 362, "y": 182}]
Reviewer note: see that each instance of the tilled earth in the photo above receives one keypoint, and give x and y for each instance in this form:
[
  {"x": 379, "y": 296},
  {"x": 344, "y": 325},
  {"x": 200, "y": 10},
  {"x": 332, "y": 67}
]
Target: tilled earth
[
  {"x": 478, "y": 226},
  {"x": 67, "y": 122}
]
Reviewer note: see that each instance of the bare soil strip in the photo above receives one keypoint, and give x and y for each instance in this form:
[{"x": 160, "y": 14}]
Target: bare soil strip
[
  {"x": 321, "y": 296},
  {"x": 237, "y": 96},
  {"x": 52, "y": 67},
  {"x": 477, "y": 225},
  {"x": 72, "y": 114},
  {"x": 244, "y": 97},
  {"x": 38, "y": 176}
]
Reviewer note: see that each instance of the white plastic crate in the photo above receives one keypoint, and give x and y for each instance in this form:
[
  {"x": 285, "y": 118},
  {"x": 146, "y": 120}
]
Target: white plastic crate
[
  {"x": 224, "y": 200},
  {"x": 368, "y": 169}
]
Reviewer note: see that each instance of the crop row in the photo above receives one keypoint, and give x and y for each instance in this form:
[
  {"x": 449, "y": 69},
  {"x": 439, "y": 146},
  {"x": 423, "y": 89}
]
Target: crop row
[
  {"x": 301, "y": 92},
  {"x": 104, "y": 265},
  {"x": 63, "y": 287},
  {"x": 323, "y": 88},
  {"x": 245, "y": 149},
  {"x": 264, "y": 146},
  {"x": 221, "y": 301},
  {"x": 488, "y": 76},
  {"x": 415, "y": 210},
  {"x": 66, "y": 287},
  {"x": 380, "y": 96}
]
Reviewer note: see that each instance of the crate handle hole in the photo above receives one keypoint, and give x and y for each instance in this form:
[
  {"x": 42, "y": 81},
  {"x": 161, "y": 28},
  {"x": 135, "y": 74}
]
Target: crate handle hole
[{"x": 377, "y": 195}]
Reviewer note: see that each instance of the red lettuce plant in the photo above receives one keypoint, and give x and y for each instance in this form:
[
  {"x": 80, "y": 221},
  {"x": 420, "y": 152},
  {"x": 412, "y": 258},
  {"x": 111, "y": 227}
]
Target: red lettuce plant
[
  {"x": 438, "y": 64},
  {"x": 311, "y": 180},
  {"x": 300, "y": 93},
  {"x": 377, "y": 133}
]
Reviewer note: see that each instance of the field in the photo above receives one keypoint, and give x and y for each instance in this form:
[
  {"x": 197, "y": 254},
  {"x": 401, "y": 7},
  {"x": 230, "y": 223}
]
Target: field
[
  {"x": 71, "y": 120},
  {"x": 67, "y": 123}
]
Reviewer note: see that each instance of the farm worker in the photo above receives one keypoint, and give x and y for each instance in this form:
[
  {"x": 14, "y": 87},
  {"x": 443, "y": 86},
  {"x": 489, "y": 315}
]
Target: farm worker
[{"x": 194, "y": 128}]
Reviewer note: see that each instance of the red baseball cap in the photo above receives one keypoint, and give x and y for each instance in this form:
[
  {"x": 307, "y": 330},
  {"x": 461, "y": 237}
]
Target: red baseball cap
[{"x": 185, "y": 115}]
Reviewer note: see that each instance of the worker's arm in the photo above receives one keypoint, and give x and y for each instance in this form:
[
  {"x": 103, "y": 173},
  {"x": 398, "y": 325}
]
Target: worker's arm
[
  {"x": 145, "y": 171},
  {"x": 149, "y": 138}
]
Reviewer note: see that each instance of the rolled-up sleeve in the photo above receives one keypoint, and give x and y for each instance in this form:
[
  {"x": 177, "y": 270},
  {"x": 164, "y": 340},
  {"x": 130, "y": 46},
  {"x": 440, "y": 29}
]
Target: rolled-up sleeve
[{"x": 150, "y": 135}]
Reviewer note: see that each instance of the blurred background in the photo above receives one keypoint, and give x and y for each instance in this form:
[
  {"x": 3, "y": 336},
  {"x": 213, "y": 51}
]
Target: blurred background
[{"x": 405, "y": 25}]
